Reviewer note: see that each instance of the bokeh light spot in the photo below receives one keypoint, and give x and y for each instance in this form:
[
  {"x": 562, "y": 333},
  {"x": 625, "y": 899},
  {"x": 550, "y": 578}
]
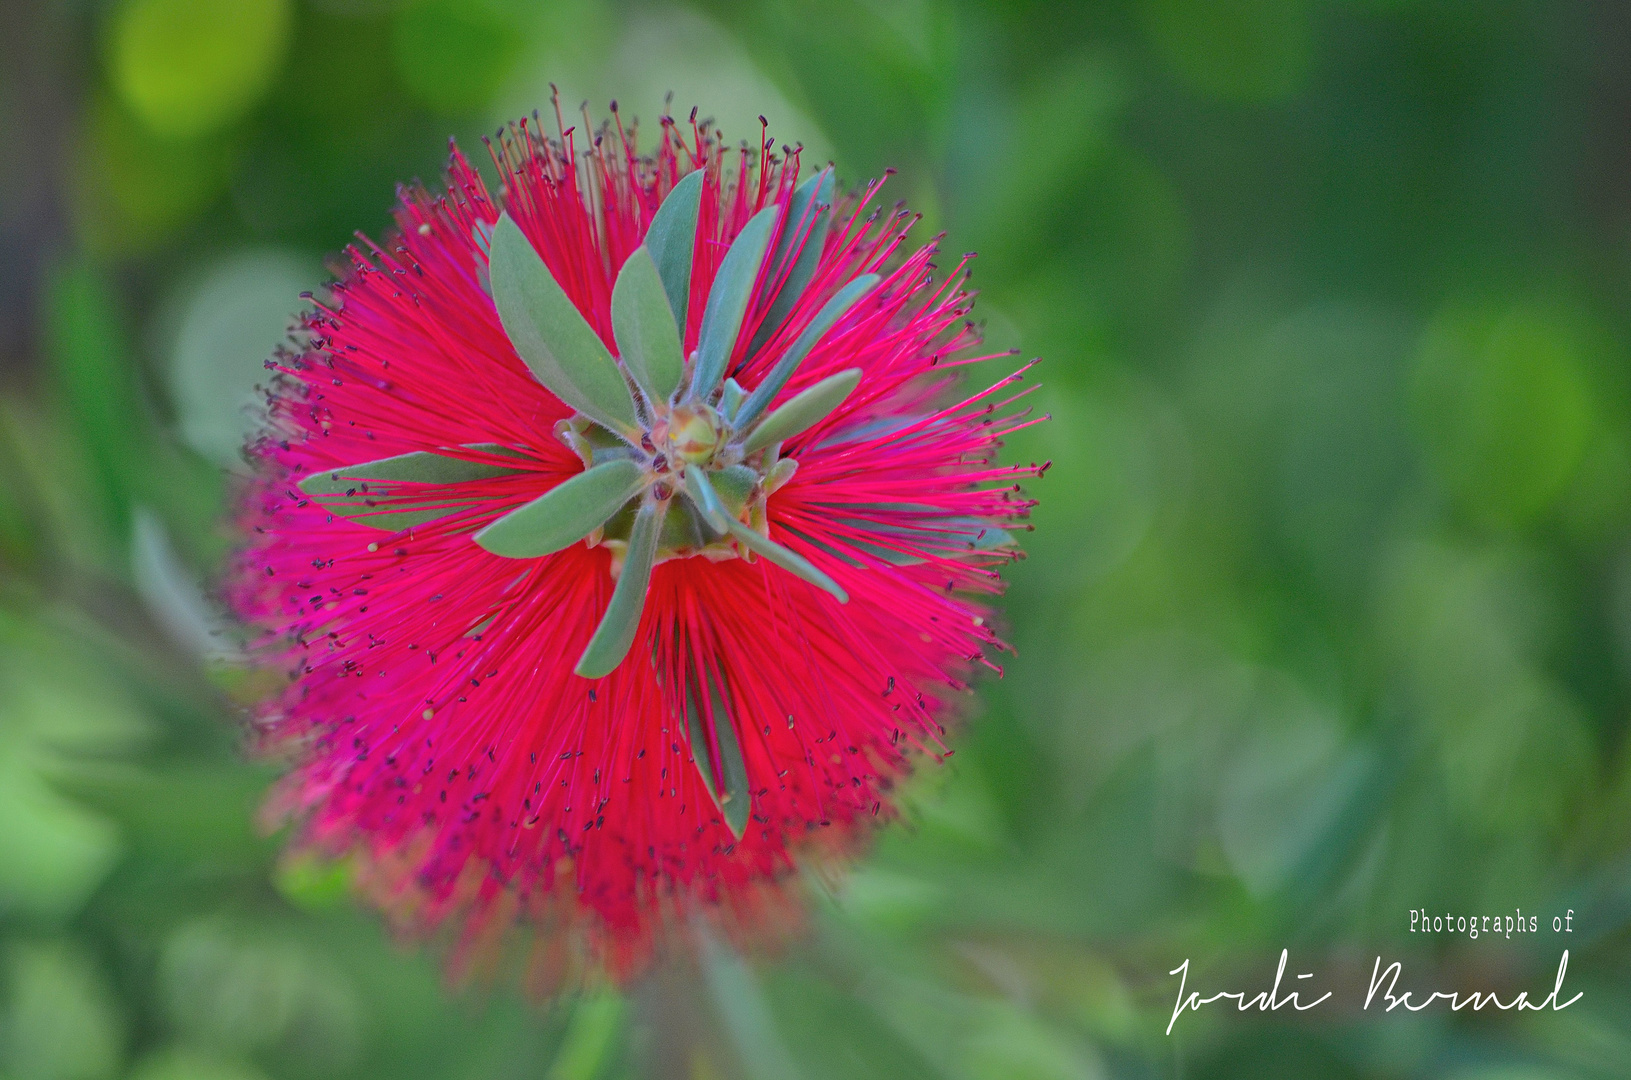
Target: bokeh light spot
[
  {"x": 1504, "y": 404},
  {"x": 189, "y": 67},
  {"x": 232, "y": 321}
]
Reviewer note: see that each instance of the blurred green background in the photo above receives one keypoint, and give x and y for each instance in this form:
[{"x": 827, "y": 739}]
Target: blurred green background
[{"x": 1327, "y": 615}]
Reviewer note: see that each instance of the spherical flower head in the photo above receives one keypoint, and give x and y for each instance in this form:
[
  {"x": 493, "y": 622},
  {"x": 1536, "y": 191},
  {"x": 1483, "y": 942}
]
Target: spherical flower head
[{"x": 623, "y": 537}]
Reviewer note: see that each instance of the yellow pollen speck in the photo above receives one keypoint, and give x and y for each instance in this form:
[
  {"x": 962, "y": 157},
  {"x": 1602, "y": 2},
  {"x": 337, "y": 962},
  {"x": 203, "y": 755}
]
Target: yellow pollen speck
[
  {"x": 836, "y": 759},
  {"x": 427, "y": 714},
  {"x": 424, "y": 229},
  {"x": 373, "y": 547}
]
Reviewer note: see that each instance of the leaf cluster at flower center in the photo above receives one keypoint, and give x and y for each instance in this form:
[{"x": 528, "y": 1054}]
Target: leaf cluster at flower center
[
  {"x": 686, "y": 451},
  {"x": 678, "y": 459}
]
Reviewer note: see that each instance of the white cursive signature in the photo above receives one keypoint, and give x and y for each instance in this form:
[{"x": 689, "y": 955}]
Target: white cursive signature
[
  {"x": 1383, "y": 982},
  {"x": 1266, "y": 1001},
  {"x": 1477, "y": 1000}
]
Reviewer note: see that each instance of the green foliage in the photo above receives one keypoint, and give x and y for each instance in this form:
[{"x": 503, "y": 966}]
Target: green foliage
[
  {"x": 188, "y": 67},
  {"x": 648, "y": 339},
  {"x": 803, "y": 410},
  {"x": 728, "y": 302},
  {"x": 612, "y": 638},
  {"x": 62, "y": 1022},
  {"x": 566, "y": 513},
  {"x": 671, "y": 240},
  {"x": 1506, "y": 406},
  {"x": 453, "y": 55},
  {"x": 1245, "y": 50},
  {"x": 777, "y": 377},
  {"x": 550, "y": 334},
  {"x": 806, "y": 233}
]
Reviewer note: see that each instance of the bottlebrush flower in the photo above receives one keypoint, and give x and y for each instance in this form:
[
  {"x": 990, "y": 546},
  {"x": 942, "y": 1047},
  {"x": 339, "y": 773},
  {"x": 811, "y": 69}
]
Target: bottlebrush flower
[{"x": 623, "y": 539}]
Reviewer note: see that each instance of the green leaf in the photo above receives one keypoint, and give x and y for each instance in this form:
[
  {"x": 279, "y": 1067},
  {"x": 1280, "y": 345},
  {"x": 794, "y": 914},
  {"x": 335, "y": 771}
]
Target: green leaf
[
  {"x": 734, "y": 486},
  {"x": 946, "y": 537},
  {"x": 683, "y": 527},
  {"x": 600, "y": 444},
  {"x": 564, "y": 514},
  {"x": 85, "y": 338},
  {"x": 735, "y": 802},
  {"x": 701, "y": 490},
  {"x": 829, "y": 314},
  {"x": 991, "y": 538},
  {"x": 366, "y": 491},
  {"x": 804, "y": 410},
  {"x": 846, "y": 557},
  {"x": 397, "y": 514},
  {"x": 779, "y": 475},
  {"x": 670, "y": 238},
  {"x": 644, "y": 324},
  {"x": 186, "y": 68},
  {"x": 551, "y": 335},
  {"x": 417, "y": 468},
  {"x": 730, "y": 399},
  {"x": 786, "y": 558},
  {"x": 806, "y": 217},
  {"x": 728, "y": 301},
  {"x": 617, "y": 627}
]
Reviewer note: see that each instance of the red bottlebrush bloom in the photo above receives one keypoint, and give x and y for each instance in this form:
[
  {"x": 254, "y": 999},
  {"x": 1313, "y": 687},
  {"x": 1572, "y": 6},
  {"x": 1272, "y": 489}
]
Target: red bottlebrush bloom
[{"x": 623, "y": 538}]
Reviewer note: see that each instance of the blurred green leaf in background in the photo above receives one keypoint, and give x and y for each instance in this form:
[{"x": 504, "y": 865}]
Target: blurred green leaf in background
[{"x": 1327, "y": 615}]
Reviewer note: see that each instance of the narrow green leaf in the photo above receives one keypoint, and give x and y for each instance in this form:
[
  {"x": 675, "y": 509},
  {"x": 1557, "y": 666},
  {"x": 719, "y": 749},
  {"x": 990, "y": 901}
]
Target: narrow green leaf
[
  {"x": 958, "y": 533},
  {"x": 394, "y": 515},
  {"x": 830, "y": 313},
  {"x": 966, "y": 536},
  {"x": 615, "y": 633},
  {"x": 728, "y": 301},
  {"x": 734, "y": 486},
  {"x": 804, "y": 410},
  {"x": 670, "y": 238},
  {"x": 696, "y": 726},
  {"x": 645, "y": 329},
  {"x": 804, "y": 220},
  {"x": 593, "y": 443},
  {"x": 786, "y": 558},
  {"x": 735, "y": 802},
  {"x": 551, "y": 335},
  {"x": 846, "y": 557},
  {"x": 417, "y": 468},
  {"x": 702, "y": 493},
  {"x": 564, "y": 514},
  {"x": 367, "y": 492},
  {"x": 991, "y": 538},
  {"x": 780, "y": 473},
  {"x": 730, "y": 399}
]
